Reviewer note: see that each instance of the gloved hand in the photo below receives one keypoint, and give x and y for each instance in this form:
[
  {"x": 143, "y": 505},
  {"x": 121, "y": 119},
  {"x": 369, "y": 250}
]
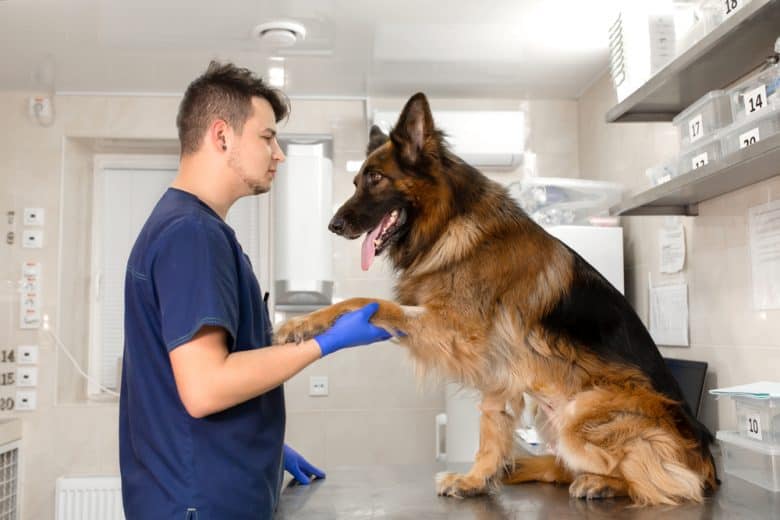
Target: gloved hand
[
  {"x": 299, "y": 467},
  {"x": 350, "y": 330}
]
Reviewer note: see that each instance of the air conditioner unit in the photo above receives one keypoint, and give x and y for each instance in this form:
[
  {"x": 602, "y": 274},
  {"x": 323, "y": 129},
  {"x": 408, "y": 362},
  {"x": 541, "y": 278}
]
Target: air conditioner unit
[{"x": 482, "y": 138}]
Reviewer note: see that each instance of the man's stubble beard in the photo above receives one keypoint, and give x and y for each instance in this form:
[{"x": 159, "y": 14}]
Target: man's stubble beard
[{"x": 234, "y": 163}]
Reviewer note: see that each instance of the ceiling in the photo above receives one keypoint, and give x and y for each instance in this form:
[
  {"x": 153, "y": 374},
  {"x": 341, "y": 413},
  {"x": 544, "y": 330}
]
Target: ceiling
[{"x": 456, "y": 48}]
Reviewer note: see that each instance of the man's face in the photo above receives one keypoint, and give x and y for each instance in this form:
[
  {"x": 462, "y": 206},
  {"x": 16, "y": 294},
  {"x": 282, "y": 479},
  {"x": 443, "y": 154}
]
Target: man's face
[{"x": 257, "y": 153}]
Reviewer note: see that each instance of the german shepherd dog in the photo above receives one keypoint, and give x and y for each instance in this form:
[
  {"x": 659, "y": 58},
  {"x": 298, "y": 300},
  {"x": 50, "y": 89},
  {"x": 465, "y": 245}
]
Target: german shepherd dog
[{"x": 488, "y": 299}]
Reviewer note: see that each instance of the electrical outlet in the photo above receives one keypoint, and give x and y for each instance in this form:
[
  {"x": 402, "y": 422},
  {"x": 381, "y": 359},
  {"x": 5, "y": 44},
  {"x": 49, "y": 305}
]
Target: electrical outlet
[
  {"x": 33, "y": 216},
  {"x": 25, "y": 399},
  {"x": 27, "y": 354},
  {"x": 32, "y": 238},
  {"x": 26, "y": 376},
  {"x": 318, "y": 386}
]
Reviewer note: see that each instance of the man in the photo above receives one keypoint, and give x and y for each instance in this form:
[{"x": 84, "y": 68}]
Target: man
[{"x": 202, "y": 407}]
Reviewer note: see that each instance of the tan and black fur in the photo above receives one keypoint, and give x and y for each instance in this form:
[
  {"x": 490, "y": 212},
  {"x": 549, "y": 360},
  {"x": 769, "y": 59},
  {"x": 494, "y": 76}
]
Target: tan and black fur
[{"x": 490, "y": 300}]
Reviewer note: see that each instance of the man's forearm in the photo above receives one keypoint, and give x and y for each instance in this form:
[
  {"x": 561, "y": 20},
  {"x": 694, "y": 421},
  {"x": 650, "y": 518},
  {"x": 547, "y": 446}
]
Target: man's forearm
[{"x": 243, "y": 375}]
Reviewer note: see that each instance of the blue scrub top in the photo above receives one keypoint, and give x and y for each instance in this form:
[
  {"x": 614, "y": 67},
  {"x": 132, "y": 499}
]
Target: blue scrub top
[{"x": 187, "y": 270}]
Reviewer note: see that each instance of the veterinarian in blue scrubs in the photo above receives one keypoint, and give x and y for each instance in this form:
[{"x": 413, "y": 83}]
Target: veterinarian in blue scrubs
[{"x": 201, "y": 415}]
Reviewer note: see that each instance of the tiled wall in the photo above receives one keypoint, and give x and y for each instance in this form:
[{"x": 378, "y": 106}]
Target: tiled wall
[{"x": 740, "y": 344}]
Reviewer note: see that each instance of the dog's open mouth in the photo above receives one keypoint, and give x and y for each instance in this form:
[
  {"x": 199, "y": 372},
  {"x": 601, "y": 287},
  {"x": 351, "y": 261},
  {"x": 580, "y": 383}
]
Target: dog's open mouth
[{"x": 381, "y": 236}]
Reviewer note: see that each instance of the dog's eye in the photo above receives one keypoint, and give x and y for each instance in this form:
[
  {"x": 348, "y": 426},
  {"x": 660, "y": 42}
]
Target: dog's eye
[{"x": 375, "y": 177}]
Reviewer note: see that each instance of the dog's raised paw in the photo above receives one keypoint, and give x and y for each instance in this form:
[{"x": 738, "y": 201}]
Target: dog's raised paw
[
  {"x": 296, "y": 330},
  {"x": 460, "y": 486}
]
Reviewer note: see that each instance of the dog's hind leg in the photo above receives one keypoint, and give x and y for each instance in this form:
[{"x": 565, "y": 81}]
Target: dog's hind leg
[
  {"x": 495, "y": 446},
  {"x": 624, "y": 443},
  {"x": 542, "y": 468}
]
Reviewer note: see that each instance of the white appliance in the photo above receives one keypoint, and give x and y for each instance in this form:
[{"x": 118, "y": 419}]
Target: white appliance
[
  {"x": 601, "y": 247},
  {"x": 303, "y": 195},
  {"x": 482, "y": 138}
]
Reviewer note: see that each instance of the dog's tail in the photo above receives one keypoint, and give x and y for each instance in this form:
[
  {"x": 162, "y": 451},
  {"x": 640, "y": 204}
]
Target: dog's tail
[{"x": 656, "y": 474}]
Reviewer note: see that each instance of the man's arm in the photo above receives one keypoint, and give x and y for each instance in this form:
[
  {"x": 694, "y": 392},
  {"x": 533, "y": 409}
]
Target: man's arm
[{"x": 210, "y": 379}]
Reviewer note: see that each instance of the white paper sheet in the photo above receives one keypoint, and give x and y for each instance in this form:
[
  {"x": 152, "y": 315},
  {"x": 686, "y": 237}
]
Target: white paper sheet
[
  {"x": 672, "y": 243},
  {"x": 760, "y": 390},
  {"x": 669, "y": 315},
  {"x": 764, "y": 230}
]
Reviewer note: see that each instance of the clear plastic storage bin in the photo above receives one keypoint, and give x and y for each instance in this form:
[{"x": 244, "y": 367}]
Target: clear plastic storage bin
[
  {"x": 758, "y": 94},
  {"x": 702, "y": 119},
  {"x": 758, "y": 419},
  {"x": 751, "y": 131},
  {"x": 663, "y": 172},
  {"x": 754, "y": 461},
  {"x": 700, "y": 153},
  {"x": 695, "y": 20}
]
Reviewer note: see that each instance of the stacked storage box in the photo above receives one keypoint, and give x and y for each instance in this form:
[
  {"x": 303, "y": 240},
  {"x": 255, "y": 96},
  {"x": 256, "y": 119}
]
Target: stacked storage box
[
  {"x": 723, "y": 122},
  {"x": 700, "y": 127},
  {"x": 755, "y": 105},
  {"x": 752, "y": 452}
]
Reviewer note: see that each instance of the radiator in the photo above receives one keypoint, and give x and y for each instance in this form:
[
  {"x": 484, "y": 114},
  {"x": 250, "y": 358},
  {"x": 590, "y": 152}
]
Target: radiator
[{"x": 89, "y": 498}]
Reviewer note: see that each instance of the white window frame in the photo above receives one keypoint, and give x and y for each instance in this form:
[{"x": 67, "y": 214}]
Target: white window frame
[
  {"x": 262, "y": 263},
  {"x": 104, "y": 162}
]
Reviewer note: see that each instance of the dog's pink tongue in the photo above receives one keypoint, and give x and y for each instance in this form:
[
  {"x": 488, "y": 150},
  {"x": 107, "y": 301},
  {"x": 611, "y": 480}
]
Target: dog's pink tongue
[{"x": 368, "y": 253}]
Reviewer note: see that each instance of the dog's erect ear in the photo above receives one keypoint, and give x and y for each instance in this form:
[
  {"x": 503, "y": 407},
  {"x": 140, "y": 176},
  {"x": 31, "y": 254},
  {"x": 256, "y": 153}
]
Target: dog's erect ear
[
  {"x": 414, "y": 127},
  {"x": 376, "y": 138}
]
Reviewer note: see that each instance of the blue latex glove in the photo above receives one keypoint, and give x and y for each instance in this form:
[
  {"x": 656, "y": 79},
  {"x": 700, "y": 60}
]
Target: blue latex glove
[
  {"x": 352, "y": 329},
  {"x": 299, "y": 467}
]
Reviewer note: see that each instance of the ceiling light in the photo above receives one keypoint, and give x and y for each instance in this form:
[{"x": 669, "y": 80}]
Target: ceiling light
[
  {"x": 279, "y": 33},
  {"x": 276, "y": 76}
]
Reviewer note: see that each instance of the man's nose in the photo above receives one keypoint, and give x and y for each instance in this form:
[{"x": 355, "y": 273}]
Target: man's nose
[{"x": 337, "y": 225}]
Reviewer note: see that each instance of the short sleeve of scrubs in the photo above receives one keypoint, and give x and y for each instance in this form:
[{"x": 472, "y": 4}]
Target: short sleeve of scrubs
[{"x": 195, "y": 281}]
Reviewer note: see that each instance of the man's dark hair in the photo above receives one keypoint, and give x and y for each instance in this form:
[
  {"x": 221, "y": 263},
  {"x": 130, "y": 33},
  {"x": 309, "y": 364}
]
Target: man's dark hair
[{"x": 224, "y": 91}]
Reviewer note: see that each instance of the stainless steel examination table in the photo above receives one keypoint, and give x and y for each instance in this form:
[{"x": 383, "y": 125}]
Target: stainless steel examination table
[{"x": 407, "y": 492}]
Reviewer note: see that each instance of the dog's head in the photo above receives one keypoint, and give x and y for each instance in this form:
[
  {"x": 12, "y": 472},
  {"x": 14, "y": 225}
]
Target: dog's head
[{"x": 398, "y": 201}]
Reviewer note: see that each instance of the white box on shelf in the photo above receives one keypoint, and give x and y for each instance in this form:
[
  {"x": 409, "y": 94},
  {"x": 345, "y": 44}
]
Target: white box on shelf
[
  {"x": 758, "y": 419},
  {"x": 757, "y": 94},
  {"x": 754, "y": 461},
  {"x": 701, "y": 153},
  {"x": 751, "y": 130},
  {"x": 703, "y": 118}
]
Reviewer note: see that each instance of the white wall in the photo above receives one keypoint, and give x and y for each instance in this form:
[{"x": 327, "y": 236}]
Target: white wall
[{"x": 740, "y": 344}]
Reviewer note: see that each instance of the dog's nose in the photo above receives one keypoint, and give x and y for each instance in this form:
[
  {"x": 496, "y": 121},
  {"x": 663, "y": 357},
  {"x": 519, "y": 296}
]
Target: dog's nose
[{"x": 337, "y": 225}]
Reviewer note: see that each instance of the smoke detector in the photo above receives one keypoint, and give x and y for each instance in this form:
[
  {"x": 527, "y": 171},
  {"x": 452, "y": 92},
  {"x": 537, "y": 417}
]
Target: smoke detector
[{"x": 279, "y": 33}]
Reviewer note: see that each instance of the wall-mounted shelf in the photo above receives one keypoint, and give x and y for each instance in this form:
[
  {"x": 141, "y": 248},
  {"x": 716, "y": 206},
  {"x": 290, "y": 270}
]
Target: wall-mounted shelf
[
  {"x": 681, "y": 195},
  {"x": 733, "y": 49}
]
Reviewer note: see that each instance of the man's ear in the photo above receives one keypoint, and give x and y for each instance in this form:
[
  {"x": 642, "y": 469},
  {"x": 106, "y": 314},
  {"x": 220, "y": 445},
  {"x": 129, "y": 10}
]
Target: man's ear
[
  {"x": 376, "y": 138},
  {"x": 219, "y": 134},
  {"x": 414, "y": 128}
]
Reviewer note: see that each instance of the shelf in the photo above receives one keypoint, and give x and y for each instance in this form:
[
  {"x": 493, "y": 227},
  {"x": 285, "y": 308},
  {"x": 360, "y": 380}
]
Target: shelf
[
  {"x": 681, "y": 195},
  {"x": 735, "y": 48}
]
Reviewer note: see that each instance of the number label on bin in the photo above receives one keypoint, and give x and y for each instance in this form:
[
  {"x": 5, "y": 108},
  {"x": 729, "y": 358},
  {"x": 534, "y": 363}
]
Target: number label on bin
[
  {"x": 731, "y": 6},
  {"x": 699, "y": 160},
  {"x": 755, "y": 99},
  {"x": 748, "y": 138},
  {"x": 754, "y": 427},
  {"x": 695, "y": 128}
]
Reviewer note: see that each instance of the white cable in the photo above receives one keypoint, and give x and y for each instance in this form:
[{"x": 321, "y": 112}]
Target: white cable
[{"x": 86, "y": 376}]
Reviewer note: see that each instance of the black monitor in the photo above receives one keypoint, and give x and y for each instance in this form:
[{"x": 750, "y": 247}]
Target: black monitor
[{"x": 690, "y": 376}]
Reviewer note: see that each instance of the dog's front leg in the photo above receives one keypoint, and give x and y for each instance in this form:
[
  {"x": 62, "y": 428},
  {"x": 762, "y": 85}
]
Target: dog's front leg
[
  {"x": 495, "y": 447},
  {"x": 390, "y": 316}
]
